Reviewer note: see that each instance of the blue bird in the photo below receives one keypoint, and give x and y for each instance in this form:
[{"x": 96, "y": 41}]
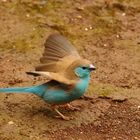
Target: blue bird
[{"x": 68, "y": 74}]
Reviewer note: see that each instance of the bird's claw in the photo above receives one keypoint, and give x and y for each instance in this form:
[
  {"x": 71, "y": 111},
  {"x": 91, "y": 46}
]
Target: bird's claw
[
  {"x": 71, "y": 107},
  {"x": 66, "y": 118},
  {"x": 62, "y": 116},
  {"x": 74, "y": 108}
]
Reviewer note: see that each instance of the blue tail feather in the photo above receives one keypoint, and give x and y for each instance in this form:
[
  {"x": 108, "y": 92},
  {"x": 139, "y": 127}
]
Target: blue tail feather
[
  {"x": 15, "y": 89},
  {"x": 39, "y": 90}
]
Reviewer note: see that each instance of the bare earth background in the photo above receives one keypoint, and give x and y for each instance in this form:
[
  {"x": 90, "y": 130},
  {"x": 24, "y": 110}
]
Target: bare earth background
[{"x": 107, "y": 34}]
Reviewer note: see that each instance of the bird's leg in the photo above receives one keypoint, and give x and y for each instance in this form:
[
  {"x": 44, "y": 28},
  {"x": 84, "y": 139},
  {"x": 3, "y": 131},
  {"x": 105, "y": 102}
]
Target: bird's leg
[
  {"x": 71, "y": 107},
  {"x": 62, "y": 116},
  {"x": 55, "y": 108}
]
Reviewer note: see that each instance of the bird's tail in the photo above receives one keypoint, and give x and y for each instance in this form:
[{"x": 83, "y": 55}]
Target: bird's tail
[
  {"x": 16, "y": 89},
  {"x": 33, "y": 89}
]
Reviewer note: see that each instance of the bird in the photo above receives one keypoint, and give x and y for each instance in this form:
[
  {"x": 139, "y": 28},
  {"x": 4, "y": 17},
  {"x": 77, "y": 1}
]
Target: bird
[{"x": 67, "y": 74}]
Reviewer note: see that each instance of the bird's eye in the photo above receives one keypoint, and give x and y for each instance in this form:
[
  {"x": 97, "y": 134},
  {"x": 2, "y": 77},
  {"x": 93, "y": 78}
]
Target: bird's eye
[{"x": 83, "y": 68}]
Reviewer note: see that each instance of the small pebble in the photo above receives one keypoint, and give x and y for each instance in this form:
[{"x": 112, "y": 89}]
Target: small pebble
[
  {"x": 117, "y": 36},
  {"x": 28, "y": 15},
  {"x": 86, "y": 29},
  {"x": 80, "y": 8},
  {"x": 90, "y": 27},
  {"x": 123, "y": 14},
  {"x": 14, "y": 46},
  {"x": 34, "y": 29},
  {"x": 10, "y": 122},
  {"x": 4, "y": 0},
  {"x": 80, "y": 17}
]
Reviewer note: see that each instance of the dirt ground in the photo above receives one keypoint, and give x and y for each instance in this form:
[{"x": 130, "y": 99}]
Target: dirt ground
[{"x": 107, "y": 33}]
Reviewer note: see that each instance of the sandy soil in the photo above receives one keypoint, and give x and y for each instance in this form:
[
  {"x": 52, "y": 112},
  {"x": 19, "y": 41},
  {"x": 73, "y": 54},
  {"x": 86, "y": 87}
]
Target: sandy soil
[{"x": 108, "y": 34}]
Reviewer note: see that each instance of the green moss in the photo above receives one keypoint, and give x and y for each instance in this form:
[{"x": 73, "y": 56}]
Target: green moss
[
  {"x": 102, "y": 89},
  {"x": 25, "y": 43}
]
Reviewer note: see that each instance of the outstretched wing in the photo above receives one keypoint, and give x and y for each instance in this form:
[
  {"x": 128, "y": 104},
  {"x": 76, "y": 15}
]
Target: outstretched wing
[
  {"x": 57, "y": 49},
  {"x": 58, "y": 55}
]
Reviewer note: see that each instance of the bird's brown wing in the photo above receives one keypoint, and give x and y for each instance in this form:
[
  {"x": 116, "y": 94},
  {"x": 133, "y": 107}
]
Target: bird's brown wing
[
  {"x": 54, "y": 76},
  {"x": 57, "y": 50},
  {"x": 58, "y": 55}
]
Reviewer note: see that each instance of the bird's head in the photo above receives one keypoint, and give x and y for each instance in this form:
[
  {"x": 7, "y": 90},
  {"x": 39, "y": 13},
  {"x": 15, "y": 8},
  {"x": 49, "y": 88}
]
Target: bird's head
[
  {"x": 81, "y": 68},
  {"x": 83, "y": 71}
]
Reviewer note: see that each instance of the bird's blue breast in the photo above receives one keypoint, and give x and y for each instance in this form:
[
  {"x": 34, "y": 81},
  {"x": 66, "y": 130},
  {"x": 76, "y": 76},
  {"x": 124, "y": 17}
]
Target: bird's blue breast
[{"x": 61, "y": 96}]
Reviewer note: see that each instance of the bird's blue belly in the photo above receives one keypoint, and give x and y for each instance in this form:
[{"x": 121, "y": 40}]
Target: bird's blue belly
[{"x": 60, "y": 96}]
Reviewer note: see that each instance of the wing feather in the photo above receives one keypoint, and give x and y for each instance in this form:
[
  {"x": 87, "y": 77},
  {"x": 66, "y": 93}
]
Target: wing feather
[
  {"x": 57, "y": 47},
  {"x": 58, "y": 55},
  {"x": 54, "y": 76}
]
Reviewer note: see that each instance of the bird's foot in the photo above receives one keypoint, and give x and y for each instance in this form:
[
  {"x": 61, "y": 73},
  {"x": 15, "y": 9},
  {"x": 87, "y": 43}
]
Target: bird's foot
[
  {"x": 66, "y": 118},
  {"x": 62, "y": 116},
  {"x": 71, "y": 107}
]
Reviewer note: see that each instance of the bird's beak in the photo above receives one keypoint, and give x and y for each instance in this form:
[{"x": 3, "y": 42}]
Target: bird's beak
[{"x": 92, "y": 67}]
